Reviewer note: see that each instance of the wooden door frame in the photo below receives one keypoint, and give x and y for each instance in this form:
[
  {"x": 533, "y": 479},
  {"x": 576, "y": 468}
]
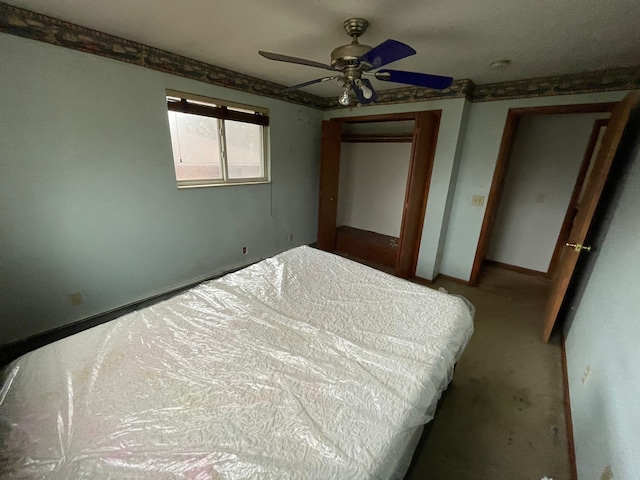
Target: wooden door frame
[
  {"x": 512, "y": 123},
  {"x": 410, "y": 211}
]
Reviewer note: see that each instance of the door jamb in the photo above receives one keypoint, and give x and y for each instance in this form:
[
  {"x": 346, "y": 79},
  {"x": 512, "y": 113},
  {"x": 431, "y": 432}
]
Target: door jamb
[{"x": 504, "y": 153}]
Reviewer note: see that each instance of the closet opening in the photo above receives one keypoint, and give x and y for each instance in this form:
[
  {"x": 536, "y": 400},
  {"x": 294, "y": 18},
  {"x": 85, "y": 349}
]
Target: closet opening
[{"x": 374, "y": 183}]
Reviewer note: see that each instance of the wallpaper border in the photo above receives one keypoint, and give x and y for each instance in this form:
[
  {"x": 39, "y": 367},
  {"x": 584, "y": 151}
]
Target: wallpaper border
[
  {"x": 586, "y": 82},
  {"x": 35, "y": 26}
]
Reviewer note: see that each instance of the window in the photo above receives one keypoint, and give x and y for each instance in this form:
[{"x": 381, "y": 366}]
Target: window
[{"x": 216, "y": 142}]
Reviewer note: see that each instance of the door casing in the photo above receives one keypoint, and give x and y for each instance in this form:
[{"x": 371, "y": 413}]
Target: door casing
[{"x": 504, "y": 153}]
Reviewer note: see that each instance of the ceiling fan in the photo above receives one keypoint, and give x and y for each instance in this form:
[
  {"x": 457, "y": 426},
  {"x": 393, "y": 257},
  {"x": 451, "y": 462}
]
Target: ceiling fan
[{"x": 353, "y": 62}]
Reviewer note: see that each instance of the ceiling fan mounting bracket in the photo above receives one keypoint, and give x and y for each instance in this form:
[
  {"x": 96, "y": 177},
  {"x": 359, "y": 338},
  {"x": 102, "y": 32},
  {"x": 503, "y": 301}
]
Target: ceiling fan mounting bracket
[{"x": 355, "y": 26}]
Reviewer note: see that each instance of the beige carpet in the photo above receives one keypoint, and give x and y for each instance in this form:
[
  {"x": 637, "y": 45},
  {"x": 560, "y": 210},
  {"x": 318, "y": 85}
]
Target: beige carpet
[{"x": 503, "y": 416}]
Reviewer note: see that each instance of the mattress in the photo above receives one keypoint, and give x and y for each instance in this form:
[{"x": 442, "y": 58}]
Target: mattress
[{"x": 302, "y": 366}]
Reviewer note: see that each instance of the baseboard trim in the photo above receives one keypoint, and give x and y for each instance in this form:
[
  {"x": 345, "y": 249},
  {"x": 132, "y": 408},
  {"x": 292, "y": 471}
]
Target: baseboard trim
[
  {"x": 515, "y": 268},
  {"x": 424, "y": 281},
  {"x": 457, "y": 280},
  {"x": 567, "y": 411},
  {"x": 429, "y": 283},
  {"x": 11, "y": 351}
]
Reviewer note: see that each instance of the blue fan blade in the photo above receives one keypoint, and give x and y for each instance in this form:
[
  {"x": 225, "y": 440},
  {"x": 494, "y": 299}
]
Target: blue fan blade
[
  {"x": 387, "y": 52},
  {"x": 360, "y": 94},
  {"x": 413, "y": 78}
]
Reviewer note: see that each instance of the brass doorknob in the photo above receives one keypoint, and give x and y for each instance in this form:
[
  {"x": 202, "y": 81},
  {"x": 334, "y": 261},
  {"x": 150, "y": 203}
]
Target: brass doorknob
[{"x": 578, "y": 247}]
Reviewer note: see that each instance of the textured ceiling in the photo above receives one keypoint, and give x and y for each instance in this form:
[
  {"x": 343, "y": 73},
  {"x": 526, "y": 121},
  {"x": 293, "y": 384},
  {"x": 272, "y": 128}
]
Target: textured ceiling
[{"x": 458, "y": 38}]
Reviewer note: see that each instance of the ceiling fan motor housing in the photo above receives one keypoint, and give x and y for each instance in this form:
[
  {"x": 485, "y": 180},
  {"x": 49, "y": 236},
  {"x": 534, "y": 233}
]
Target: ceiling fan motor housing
[{"x": 348, "y": 55}]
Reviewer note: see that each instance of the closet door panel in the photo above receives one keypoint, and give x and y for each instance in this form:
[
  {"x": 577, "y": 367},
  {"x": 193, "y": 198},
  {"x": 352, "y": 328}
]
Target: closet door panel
[
  {"x": 417, "y": 189},
  {"x": 329, "y": 175}
]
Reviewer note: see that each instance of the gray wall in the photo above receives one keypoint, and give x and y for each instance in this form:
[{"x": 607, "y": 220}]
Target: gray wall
[
  {"x": 604, "y": 333},
  {"x": 547, "y": 154},
  {"x": 372, "y": 186},
  {"x": 88, "y": 199}
]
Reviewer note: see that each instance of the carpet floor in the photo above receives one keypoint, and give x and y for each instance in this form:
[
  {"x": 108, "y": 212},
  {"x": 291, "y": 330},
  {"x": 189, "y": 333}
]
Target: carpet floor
[{"x": 503, "y": 416}]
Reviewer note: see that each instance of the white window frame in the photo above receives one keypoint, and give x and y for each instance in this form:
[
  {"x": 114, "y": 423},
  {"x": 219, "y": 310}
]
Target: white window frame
[{"x": 235, "y": 112}]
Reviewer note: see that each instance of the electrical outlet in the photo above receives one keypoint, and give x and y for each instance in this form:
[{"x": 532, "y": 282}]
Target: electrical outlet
[
  {"x": 477, "y": 200},
  {"x": 244, "y": 250},
  {"x": 607, "y": 474},
  {"x": 291, "y": 237},
  {"x": 76, "y": 299},
  {"x": 586, "y": 373}
]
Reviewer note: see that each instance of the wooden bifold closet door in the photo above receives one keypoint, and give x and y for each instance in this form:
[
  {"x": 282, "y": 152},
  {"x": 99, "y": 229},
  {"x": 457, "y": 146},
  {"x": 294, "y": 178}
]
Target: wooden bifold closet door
[
  {"x": 415, "y": 202},
  {"x": 329, "y": 175}
]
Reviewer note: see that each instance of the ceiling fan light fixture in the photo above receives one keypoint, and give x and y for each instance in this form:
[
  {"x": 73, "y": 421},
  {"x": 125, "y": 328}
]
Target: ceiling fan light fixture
[
  {"x": 345, "y": 98},
  {"x": 367, "y": 93}
]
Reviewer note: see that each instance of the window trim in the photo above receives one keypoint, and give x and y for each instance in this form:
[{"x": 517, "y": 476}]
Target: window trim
[{"x": 223, "y": 110}]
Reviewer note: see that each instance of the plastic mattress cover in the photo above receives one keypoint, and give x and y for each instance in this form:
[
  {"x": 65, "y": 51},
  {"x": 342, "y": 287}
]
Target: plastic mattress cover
[{"x": 302, "y": 366}]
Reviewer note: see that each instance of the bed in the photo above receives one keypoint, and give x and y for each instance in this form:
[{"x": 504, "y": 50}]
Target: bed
[{"x": 302, "y": 366}]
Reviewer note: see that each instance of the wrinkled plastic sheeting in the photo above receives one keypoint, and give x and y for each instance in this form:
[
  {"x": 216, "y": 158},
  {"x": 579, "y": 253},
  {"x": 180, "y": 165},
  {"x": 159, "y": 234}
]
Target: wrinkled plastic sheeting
[{"x": 305, "y": 365}]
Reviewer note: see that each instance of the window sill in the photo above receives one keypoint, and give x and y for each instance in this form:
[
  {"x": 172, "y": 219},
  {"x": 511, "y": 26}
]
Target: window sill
[{"x": 222, "y": 184}]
